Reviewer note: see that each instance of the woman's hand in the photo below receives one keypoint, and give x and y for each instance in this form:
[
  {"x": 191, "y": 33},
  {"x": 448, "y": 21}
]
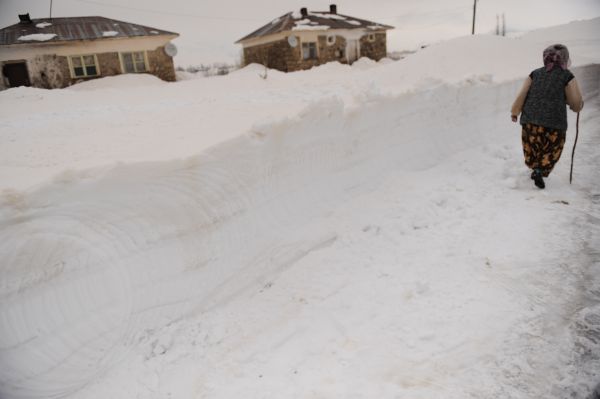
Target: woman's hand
[{"x": 513, "y": 118}]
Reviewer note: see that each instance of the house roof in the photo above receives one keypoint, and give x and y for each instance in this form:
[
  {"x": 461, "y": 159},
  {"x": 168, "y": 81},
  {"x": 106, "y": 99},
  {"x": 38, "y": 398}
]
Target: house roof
[
  {"x": 51, "y": 30},
  {"x": 313, "y": 20}
]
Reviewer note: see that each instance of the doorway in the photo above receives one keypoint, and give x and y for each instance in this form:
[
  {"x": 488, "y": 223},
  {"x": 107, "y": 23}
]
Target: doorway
[
  {"x": 352, "y": 50},
  {"x": 17, "y": 74}
]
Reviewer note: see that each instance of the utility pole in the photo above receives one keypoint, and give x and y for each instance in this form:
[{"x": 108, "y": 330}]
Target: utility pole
[
  {"x": 474, "y": 12},
  {"x": 50, "y": 9},
  {"x": 497, "y": 24},
  {"x": 503, "y": 25}
]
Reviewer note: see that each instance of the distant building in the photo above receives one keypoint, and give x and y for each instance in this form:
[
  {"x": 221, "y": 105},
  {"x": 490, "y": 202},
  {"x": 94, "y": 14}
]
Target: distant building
[
  {"x": 58, "y": 52},
  {"x": 301, "y": 40}
]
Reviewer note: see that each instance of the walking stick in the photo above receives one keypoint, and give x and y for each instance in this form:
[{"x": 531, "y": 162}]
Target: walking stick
[{"x": 574, "y": 144}]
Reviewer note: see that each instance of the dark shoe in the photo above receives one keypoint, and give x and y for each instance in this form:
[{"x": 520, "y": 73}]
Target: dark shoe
[{"x": 537, "y": 178}]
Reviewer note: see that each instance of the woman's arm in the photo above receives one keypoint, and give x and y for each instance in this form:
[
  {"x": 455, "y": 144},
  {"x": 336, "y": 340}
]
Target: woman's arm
[
  {"x": 573, "y": 95},
  {"x": 520, "y": 100}
]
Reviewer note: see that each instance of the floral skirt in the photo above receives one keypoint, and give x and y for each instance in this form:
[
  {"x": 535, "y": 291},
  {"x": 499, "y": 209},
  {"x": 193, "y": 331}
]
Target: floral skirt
[{"x": 542, "y": 147}]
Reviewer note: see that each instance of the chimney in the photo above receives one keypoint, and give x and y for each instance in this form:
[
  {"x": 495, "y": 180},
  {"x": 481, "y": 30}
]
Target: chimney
[
  {"x": 304, "y": 12},
  {"x": 332, "y": 9},
  {"x": 24, "y": 19}
]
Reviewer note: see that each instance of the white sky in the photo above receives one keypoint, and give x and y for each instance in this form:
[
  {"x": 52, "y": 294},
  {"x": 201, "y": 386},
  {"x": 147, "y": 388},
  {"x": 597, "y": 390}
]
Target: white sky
[{"x": 209, "y": 28}]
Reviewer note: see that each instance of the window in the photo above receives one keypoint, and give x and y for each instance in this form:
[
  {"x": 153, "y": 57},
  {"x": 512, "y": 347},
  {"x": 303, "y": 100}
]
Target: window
[
  {"x": 309, "y": 51},
  {"x": 371, "y": 37},
  {"x": 83, "y": 66},
  {"x": 330, "y": 39},
  {"x": 134, "y": 62}
]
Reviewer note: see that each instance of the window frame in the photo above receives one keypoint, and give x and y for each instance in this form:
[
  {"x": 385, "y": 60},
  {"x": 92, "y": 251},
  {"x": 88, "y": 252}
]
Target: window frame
[
  {"x": 371, "y": 37},
  {"x": 330, "y": 40},
  {"x": 146, "y": 63},
  {"x": 85, "y": 73},
  {"x": 308, "y": 43}
]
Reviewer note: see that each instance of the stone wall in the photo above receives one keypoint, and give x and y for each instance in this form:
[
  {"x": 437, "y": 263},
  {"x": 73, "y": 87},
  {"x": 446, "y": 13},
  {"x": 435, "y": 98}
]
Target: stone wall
[
  {"x": 109, "y": 64},
  {"x": 326, "y": 52},
  {"x": 50, "y": 71},
  {"x": 275, "y": 55},
  {"x": 335, "y": 51},
  {"x": 376, "y": 49},
  {"x": 281, "y": 56},
  {"x": 161, "y": 65},
  {"x": 45, "y": 71}
]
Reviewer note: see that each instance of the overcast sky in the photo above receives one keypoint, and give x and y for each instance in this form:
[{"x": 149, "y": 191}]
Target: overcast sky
[{"x": 209, "y": 28}]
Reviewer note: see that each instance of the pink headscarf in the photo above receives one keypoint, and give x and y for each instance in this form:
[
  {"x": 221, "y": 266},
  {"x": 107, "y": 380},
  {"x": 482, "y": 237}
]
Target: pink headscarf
[{"x": 557, "y": 54}]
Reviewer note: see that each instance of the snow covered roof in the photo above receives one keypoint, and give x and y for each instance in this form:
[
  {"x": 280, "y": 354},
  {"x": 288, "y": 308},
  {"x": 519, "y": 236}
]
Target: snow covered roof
[
  {"x": 308, "y": 20},
  {"x": 74, "y": 28}
]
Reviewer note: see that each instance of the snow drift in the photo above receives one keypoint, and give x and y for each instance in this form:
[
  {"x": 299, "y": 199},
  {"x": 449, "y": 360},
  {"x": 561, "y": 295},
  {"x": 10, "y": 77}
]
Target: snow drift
[{"x": 150, "y": 270}]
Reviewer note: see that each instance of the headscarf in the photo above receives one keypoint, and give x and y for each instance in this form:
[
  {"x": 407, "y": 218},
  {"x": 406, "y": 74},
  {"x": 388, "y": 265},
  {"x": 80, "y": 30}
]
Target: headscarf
[{"x": 557, "y": 54}]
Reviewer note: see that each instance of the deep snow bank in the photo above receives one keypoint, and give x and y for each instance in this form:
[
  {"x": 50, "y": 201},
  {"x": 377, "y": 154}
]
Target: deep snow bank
[
  {"x": 132, "y": 118},
  {"x": 90, "y": 266},
  {"x": 97, "y": 263}
]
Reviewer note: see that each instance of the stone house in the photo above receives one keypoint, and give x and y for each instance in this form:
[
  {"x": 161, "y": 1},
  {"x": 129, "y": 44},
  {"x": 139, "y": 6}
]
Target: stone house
[
  {"x": 301, "y": 40},
  {"x": 58, "y": 52}
]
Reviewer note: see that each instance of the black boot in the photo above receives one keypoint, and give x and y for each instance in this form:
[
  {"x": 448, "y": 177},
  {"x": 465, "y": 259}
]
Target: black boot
[{"x": 538, "y": 179}]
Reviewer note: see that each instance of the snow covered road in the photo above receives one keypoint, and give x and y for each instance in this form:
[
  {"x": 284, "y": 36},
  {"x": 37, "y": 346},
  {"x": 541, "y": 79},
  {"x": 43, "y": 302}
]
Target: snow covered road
[{"x": 392, "y": 250}]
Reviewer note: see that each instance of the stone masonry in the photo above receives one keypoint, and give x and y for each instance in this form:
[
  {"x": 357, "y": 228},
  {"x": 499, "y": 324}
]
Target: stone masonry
[
  {"x": 161, "y": 65},
  {"x": 375, "y": 49},
  {"x": 276, "y": 55},
  {"x": 281, "y": 56},
  {"x": 52, "y": 72}
]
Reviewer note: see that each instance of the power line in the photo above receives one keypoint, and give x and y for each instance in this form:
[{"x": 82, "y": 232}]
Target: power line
[
  {"x": 440, "y": 13},
  {"x": 426, "y": 14},
  {"x": 161, "y": 12}
]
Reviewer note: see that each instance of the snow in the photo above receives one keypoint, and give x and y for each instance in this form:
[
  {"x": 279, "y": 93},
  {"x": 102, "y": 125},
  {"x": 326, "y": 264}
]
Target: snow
[
  {"x": 43, "y": 25},
  {"x": 307, "y": 24},
  {"x": 364, "y": 231},
  {"x": 328, "y": 16},
  {"x": 303, "y": 24},
  {"x": 110, "y": 33},
  {"x": 364, "y": 63},
  {"x": 112, "y": 82},
  {"x": 310, "y": 27},
  {"x": 38, "y": 37}
]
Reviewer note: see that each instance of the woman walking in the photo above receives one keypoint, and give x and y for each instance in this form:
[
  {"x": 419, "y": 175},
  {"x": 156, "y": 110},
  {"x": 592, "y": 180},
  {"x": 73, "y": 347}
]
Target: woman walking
[{"x": 542, "y": 103}]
